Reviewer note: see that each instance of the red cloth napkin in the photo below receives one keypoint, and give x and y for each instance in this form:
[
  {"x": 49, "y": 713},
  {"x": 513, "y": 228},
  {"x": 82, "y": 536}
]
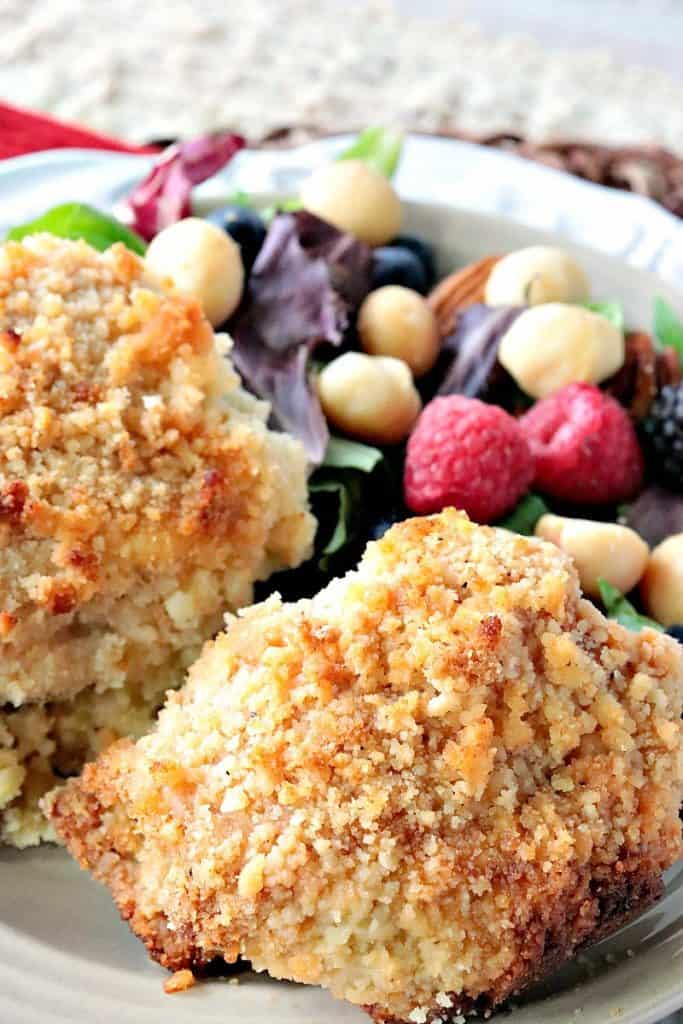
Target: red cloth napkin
[{"x": 23, "y": 131}]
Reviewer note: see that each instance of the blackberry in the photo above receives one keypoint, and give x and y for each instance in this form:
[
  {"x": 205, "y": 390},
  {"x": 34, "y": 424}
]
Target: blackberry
[{"x": 662, "y": 432}]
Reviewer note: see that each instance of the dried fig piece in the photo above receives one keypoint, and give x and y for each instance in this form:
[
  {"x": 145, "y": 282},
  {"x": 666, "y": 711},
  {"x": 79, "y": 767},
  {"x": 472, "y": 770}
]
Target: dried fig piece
[
  {"x": 635, "y": 384},
  {"x": 668, "y": 368},
  {"x": 645, "y": 372}
]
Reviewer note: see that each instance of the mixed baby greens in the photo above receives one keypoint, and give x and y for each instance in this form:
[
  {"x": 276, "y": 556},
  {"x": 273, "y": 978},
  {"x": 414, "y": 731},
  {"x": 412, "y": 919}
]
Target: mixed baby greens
[
  {"x": 525, "y": 516},
  {"x": 306, "y": 283},
  {"x": 668, "y": 328},
  {"x": 77, "y": 220},
  {"x": 299, "y": 307},
  {"x": 379, "y": 147},
  {"x": 621, "y": 609}
]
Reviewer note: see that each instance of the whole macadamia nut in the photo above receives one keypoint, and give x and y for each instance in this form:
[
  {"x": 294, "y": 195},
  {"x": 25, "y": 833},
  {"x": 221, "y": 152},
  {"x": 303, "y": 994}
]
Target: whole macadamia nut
[
  {"x": 550, "y": 346},
  {"x": 397, "y": 321},
  {"x": 662, "y": 585},
  {"x": 355, "y": 198},
  {"x": 599, "y": 550},
  {"x": 538, "y": 274},
  {"x": 200, "y": 260},
  {"x": 371, "y": 397}
]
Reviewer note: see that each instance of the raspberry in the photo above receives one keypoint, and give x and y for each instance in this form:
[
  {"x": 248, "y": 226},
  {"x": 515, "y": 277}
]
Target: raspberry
[
  {"x": 466, "y": 453},
  {"x": 584, "y": 445}
]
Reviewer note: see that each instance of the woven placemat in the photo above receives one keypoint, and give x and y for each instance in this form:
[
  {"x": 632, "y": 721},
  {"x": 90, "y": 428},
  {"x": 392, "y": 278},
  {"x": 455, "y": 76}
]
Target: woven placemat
[{"x": 646, "y": 169}]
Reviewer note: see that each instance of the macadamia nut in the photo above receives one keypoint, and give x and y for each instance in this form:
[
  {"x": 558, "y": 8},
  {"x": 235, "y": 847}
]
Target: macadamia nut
[
  {"x": 396, "y": 321},
  {"x": 200, "y": 260},
  {"x": 555, "y": 344},
  {"x": 370, "y": 397},
  {"x": 662, "y": 585},
  {"x": 538, "y": 274},
  {"x": 599, "y": 550},
  {"x": 355, "y": 198}
]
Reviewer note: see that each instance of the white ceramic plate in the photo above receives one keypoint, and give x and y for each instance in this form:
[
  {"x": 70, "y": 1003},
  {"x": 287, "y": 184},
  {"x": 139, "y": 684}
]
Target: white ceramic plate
[{"x": 65, "y": 958}]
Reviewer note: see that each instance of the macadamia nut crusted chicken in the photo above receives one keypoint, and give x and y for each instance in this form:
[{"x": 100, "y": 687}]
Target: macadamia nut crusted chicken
[
  {"x": 140, "y": 495},
  {"x": 423, "y": 788}
]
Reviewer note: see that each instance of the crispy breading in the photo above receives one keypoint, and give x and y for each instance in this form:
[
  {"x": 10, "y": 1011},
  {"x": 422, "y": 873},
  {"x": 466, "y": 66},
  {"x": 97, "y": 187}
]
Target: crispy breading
[
  {"x": 43, "y": 743},
  {"x": 434, "y": 780},
  {"x": 141, "y": 492}
]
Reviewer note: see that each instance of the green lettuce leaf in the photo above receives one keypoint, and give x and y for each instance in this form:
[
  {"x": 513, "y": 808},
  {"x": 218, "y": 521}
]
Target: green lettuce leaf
[
  {"x": 378, "y": 147},
  {"x": 525, "y": 515},
  {"x": 620, "y": 609},
  {"x": 344, "y": 454},
  {"x": 347, "y": 491},
  {"x": 612, "y": 311},
  {"x": 76, "y": 220},
  {"x": 668, "y": 326},
  {"x": 268, "y": 213},
  {"x": 239, "y": 198},
  {"x": 345, "y": 466}
]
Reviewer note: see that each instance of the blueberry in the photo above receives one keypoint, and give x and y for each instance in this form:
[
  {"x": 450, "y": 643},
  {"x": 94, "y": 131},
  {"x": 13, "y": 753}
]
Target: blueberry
[
  {"x": 245, "y": 226},
  {"x": 393, "y": 264},
  {"x": 378, "y": 529},
  {"x": 424, "y": 252},
  {"x": 676, "y": 632}
]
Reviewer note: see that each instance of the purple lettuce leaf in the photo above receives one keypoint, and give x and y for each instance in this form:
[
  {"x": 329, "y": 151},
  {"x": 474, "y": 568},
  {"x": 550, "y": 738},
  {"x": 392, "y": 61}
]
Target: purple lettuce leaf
[
  {"x": 348, "y": 261},
  {"x": 282, "y": 379},
  {"x": 474, "y": 370},
  {"x": 289, "y": 298},
  {"x": 656, "y": 514},
  {"x": 164, "y": 196},
  {"x": 306, "y": 281}
]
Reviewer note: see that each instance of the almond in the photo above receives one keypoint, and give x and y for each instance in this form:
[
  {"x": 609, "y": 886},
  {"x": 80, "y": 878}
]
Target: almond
[{"x": 458, "y": 291}]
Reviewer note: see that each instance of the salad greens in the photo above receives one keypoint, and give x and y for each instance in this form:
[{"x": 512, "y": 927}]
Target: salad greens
[
  {"x": 621, "y": 609},
  {"x": 612, "y": 311},
  {"x": 668, "y": 326},
  {"x": 525, "y": 515},
  {"x": 347, "y": 492},
  {"x": 351, "y": 459},
  {"x": 164, "y": 196},
  {"x": 344, "y": 454},
  {"x": 268, "y": 213},
  {"x": 77, "y": 220},
  {"x": 239, "y": 198},
  {"x": 379, "y": 147},
  {"x": 304, "y": 285},
  {"x": 299, "y": 305},
  {"x": 473, "y": 346}
]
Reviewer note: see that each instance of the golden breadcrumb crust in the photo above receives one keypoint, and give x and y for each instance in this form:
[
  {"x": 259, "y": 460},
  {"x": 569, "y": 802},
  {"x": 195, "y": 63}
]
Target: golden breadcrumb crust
[
  {"x": 436, "y": 778},
  {"x": 43, "y": 743},
  {"x": 141, "y": 492}
]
